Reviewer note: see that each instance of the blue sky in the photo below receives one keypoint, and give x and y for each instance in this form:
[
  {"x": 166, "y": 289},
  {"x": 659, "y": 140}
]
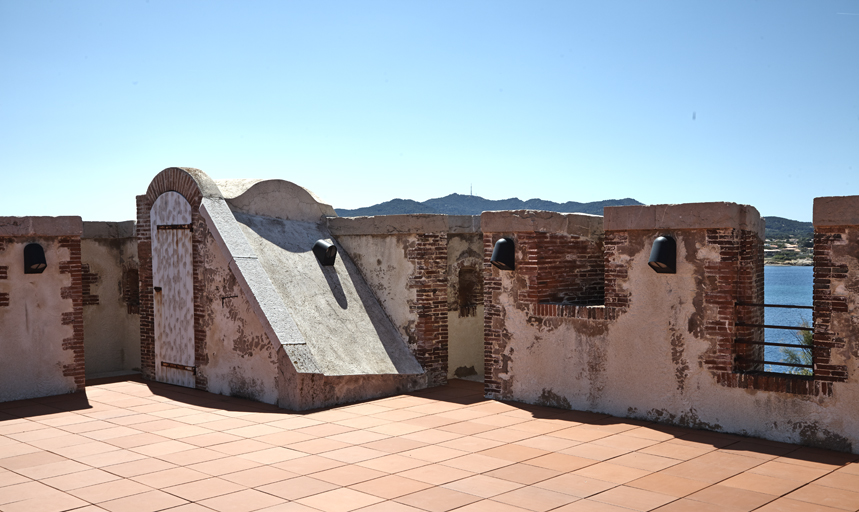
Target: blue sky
[{"x": 754, "y": 102}]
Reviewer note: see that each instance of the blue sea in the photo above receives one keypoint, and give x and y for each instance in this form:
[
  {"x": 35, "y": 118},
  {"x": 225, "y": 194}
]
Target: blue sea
[{"x": 786, "y": 285}]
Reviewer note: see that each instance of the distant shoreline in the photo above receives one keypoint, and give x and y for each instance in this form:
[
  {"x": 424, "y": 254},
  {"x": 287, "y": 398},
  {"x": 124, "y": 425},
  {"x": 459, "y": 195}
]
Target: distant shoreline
[{"x": 788, "y": 264}]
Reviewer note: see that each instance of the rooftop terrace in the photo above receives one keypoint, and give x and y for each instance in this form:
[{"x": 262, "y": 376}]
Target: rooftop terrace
[{"x": 147, "y": 446}]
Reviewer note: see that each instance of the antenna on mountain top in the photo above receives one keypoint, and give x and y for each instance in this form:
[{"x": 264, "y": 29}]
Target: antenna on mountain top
[{"x": 471, "y": 189}]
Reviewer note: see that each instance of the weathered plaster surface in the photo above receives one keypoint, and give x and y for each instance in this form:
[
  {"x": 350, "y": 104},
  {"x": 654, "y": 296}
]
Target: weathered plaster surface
[
  {"x": 340, "y": 319},
  {"x": 274, "y": 198},
  {"x": 382, "y": 262},
  {"x": 112, "y": 326},
  {"x": 36, "y": 321},
  {"x": 836, "y": 211},
  {"x": 648, "y": 362},
  {"x": 241, "y": 359},
  {"x": 684, "y": 216},
  {"x": 329, "y": 339},
  {"x": 391, "y": 224},
  {"x": 581, "y": 224},
  {"x": 465, "y": 306}
]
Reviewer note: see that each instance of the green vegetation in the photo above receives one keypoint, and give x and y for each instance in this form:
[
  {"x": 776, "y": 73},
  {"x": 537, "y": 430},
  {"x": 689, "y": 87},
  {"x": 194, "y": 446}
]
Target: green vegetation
[
  {"x": 797, "y": 355},
  {"x": 779, "y": 227}
]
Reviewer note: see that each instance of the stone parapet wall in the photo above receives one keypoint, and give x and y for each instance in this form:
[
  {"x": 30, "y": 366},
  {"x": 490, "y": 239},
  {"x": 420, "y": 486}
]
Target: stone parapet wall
[
  {"x": 560, "y": 266},
  {"x": 41, "y": 315},
  {"x": 403, "y": 224},
  {"x": 673, "y": 348}
]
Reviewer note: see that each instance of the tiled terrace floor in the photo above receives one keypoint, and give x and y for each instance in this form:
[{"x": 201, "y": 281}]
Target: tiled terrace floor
[{"x": 133, "y": 446}]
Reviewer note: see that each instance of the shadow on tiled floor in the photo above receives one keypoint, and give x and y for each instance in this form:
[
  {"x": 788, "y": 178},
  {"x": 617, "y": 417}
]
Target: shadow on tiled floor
[{"x": 141, "y": 446}]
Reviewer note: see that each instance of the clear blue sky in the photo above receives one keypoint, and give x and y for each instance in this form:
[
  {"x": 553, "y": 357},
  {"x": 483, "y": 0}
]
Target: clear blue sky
[{"x": 755, "y": 102}]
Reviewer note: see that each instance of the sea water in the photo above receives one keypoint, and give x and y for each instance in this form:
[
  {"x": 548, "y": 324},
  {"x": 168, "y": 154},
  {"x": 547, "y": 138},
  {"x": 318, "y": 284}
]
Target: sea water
[{"x": 786, "y": 285}]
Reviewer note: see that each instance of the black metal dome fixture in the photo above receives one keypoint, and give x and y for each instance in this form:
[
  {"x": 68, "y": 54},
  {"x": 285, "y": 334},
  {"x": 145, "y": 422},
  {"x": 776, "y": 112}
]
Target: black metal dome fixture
[
  {"x": 325, "y": 252},
  {"x": 34, "y": 259},
  {"x": 663, "y": 255},
  {"x": 504, "y": 254}
]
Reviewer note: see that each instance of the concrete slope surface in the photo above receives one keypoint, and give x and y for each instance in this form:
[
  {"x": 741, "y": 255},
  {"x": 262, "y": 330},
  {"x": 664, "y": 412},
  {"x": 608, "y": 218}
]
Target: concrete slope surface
[{"x": 342, "y": 322}]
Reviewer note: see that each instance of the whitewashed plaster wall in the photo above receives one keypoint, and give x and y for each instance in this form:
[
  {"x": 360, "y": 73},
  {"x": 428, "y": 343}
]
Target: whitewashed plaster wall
[
  {"x": 241, "y": 360},
  {"x": 383, "y": 264},
  {"x": 32, "y": 330},
  {"x": 648, "y": 363},
  {"x": 111, "y": 327}
]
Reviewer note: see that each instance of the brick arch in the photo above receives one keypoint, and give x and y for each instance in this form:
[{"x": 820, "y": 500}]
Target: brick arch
[
  {"x": 177, "y": 179},
  {"x": 193, "y": 185}
]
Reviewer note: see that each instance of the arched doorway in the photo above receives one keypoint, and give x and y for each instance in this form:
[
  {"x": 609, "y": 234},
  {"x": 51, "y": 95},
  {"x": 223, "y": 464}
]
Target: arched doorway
[{"x": 173, "y": 290}]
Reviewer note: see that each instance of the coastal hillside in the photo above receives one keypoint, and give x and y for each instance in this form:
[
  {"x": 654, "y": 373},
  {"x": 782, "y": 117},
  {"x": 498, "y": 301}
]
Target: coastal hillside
[{"x": 779, "y": 227}]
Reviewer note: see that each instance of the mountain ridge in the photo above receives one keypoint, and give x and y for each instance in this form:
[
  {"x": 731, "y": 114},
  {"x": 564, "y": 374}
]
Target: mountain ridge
[{"x": 461, "y": 204}]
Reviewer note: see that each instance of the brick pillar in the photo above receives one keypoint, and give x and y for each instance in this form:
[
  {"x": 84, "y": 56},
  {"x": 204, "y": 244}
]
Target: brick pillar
[
  {"x": 828, "y": 275},
  {"x": 429, "y": 280},
  {"x": 146, "y": 306},
  {"x": 616, "y": 271},
  {"x": 75, "y": 318},
  {"x": 493, "y": 322}
]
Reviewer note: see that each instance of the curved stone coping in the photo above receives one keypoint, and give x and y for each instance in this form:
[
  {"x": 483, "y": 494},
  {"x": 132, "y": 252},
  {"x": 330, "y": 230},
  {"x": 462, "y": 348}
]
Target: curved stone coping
[
  {"x": 836, "y": 211},
  {"x": 41, "y": 226},
  {"x": 274, "y": 198},
  {"x": 511, "y": 221},
  {"x": 404, "y": 224},
  {"x": 684, "y": 216}
]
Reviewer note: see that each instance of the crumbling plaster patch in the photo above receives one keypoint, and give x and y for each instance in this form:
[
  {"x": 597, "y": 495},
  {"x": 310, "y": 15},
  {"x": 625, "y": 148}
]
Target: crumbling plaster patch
[
  {"x": 846, "y": 324},
  {"x": 242, "y": 361},
  {"x": 465, "y": 321}
]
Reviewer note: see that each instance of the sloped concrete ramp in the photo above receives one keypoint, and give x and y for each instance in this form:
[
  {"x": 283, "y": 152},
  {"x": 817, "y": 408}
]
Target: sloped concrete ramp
[
  {"x": 340, "y": 320},
  {"x": 338, "y": 345}
]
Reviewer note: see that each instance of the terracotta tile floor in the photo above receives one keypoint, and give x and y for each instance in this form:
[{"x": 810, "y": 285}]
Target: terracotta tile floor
[{"x": 142, "y": 447}]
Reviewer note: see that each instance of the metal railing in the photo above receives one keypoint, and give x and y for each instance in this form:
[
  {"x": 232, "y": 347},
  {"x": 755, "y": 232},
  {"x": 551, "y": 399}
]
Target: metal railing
[{"x": 773, "y": 344}]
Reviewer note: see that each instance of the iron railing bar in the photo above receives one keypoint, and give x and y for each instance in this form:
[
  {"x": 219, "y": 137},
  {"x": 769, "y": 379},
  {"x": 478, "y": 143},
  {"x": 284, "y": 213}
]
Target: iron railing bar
[
  {"x": 774, "y": 305},
  {"x": 770, "y": 344},
  {"x": 797, "y": 328},
  {"x": 739, "y": 360}
]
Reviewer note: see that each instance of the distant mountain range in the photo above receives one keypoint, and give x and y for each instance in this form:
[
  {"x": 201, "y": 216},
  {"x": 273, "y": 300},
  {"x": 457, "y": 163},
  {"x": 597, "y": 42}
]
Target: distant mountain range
[{"x": 458, "y": 204}]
